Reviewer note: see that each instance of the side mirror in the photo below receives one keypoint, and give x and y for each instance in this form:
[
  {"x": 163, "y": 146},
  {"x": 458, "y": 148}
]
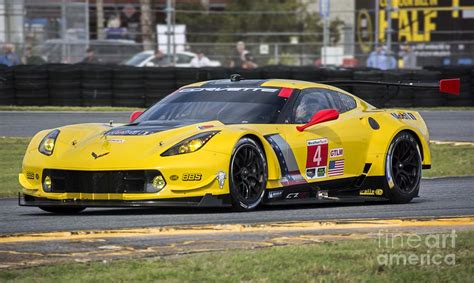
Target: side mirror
[
  {"x": 150, "y": 64},
  {"x": 320, "y": 117},
  {"x": 135, "y": 115}
]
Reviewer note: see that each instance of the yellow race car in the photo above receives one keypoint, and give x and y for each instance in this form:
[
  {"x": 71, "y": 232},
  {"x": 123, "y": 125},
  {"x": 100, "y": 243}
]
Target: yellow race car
[{"x": 237, "y": 142}]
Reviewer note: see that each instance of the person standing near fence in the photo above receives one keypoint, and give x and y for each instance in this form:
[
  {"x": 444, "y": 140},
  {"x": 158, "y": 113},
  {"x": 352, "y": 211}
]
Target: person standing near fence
[
  {"x": 200, "y": 60},
  {"x": 90, "y": 57},
  {"x": 9, "y": 56},
  {"x": 407, "y": 57},
  {"x": 380, "y": 59},
  {"x": 239, "y": 56}
]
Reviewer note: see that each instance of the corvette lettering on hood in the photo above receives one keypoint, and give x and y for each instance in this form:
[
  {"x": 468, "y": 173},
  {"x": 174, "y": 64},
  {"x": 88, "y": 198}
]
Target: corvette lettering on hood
[{"x": 230, "y": 89}]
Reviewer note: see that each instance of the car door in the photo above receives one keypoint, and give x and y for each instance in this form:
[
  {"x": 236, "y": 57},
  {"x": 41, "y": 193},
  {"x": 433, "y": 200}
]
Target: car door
[{"x": 329, "y": 150}]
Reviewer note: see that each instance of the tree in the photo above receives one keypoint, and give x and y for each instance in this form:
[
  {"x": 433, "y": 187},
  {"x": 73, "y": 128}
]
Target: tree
[{"x": 279, "y": 21}]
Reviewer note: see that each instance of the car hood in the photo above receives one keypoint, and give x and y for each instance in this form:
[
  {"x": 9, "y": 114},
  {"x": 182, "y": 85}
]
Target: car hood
[{"x": 123, "y": 146}]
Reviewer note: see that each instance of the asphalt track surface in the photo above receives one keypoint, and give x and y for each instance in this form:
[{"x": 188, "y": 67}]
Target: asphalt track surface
[
  {"x": 438, "y": 198},
  {"x": 443, "y": 125}
]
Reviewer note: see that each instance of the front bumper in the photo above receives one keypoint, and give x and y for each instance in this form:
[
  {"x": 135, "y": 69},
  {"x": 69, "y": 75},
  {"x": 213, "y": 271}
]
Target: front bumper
[{"x": 207, "y": 200}]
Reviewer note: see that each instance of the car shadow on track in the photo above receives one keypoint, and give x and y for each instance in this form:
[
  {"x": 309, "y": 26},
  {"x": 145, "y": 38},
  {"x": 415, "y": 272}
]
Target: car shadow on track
[{"x": 223, "y": 210}]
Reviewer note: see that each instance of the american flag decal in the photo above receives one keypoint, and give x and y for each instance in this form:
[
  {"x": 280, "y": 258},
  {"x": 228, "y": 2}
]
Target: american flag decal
[{"x": 336, "y": 167}]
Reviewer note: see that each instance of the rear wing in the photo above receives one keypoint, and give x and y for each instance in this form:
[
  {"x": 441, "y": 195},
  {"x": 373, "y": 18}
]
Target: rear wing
[{"x": 449, "y": 86}]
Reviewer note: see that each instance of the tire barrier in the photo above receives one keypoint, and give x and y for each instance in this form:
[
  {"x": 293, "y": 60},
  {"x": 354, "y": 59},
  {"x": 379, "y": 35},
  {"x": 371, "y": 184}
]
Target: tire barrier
[
  {"x": 128, "y": 87},
  {"x": 31, "y": 85},
  {"x": 112, "y": 85},
  {"x": 64, "y": 84},
  {"x": 96, "y": 85}
]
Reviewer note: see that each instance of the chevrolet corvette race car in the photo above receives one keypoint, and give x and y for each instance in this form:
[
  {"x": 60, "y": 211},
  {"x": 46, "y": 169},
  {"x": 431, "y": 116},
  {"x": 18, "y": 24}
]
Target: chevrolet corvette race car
[{"x": 237, "y": 142}]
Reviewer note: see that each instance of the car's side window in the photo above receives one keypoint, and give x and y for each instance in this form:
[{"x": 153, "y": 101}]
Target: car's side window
[
  {"x": 309, "y": 102},
  {"x": 183, "y": 59},
  {"x": 346, "y": 102}
]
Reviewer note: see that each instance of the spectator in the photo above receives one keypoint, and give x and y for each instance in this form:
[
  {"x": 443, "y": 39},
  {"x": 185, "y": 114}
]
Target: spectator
[
  {"x": 90, "y": 57},
  {"x": 379, "y": 59},
  {"x": 239, "y": 55},
  {"x": 200, "y": 61},
  {"x": 161, "y": 59},
  {"x": 31, "y": 59},
  {"x": 9, "y": 56},
  {"x": 408, "y": 57},
  {"x": 114, "y": 31},
  {"x": 248, "y": 62}
]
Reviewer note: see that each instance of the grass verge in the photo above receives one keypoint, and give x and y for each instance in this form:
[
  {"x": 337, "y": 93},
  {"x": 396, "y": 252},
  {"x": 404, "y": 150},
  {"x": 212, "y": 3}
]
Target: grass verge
[
  {"x": 448, "y": 160},
  {"x": 67, "y": 108},
  {"x": 11, "y": 151},
  {"x": 340, "y": 261}
]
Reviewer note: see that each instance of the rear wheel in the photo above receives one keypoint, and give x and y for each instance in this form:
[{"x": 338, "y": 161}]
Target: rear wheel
[
  {"x": 403, "y": 168},
  {"x": 248, "y": 175},
  {"x": 63, "y": 209}
]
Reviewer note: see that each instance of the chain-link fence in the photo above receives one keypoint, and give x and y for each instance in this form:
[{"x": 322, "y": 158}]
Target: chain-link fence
[{"x": 417, "y": 33}]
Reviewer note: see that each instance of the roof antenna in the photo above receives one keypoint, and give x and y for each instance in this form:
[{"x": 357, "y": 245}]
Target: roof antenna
[{"x": 236, "y": 78}]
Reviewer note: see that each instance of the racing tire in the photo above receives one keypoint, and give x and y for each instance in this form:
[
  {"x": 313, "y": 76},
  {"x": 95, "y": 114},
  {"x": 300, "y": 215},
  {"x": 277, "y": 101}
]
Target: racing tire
[
  {"x": 63, "y": 209},
  {"x": 248, "y": 175},
  {"x": 403, "y": 168}
]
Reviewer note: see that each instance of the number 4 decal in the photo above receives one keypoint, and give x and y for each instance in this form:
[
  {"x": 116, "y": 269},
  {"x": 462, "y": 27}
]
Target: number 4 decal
[{"x": 316, "y": 158}]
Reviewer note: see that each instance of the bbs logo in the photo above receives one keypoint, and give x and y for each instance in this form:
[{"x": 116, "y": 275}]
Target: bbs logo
[{"x": 192, "y": 177}]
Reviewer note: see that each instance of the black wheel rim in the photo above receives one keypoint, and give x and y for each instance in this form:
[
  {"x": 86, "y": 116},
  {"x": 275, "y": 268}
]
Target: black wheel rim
[
  {"x": 406, "y": 166},
  {"x": 248, "y": 174}
]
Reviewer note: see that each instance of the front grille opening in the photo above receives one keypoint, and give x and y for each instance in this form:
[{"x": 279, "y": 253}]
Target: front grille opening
[{"x": 119, "y": 182}]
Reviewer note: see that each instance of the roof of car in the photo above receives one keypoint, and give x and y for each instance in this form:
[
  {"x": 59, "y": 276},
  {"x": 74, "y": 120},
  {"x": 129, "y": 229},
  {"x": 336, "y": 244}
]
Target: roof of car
[{"x": 264, "y": 83}]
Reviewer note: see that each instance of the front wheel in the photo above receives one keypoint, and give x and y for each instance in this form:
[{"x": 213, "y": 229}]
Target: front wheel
[
  {"x": 248, "y": 175},
  {"x": 403, "y": 168},
  {"x": 63, "y": 209}
]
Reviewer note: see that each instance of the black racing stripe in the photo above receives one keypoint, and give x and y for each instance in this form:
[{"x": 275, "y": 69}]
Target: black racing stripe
[{"x": 228, "y": 83}]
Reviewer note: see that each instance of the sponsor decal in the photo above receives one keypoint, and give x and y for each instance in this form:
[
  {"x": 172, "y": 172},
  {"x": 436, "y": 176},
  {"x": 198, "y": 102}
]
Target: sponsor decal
[
  {"x": 371, "y": 192},
  {"x": 316, "y": 158},
  {"x": 192, "y": 177},
  {"x": 30, "y": 175},
  {"x": 403, "y": 116},
  {"x": 336, "y": 168},
  {"x": 229, "y": 89},
  {"x": 292, "y": 195},
  {"x": 203, "y": 127},
  {"x": 95, "y": 155},
  {"x": 336, "y": 152},
  {"x": 275, "y": 194},
  {"x": 320, "y": 172},
  {"x": 119, "y": 132},
  {"x": 174, "y": 177},
  {"x": 317, "y": 172},
  {"x": 116, "y": 140}
]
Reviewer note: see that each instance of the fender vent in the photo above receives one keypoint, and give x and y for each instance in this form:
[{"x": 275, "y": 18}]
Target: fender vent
[
  {"x": 359, "y": 181},
  {"x": 367, "y": 167}
]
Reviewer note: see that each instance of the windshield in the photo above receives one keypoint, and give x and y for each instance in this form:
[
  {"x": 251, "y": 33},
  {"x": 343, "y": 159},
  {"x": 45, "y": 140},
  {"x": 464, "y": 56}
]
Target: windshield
[
  {"x": 137, "y": 59},
  {"x": 228, "y": 105}
]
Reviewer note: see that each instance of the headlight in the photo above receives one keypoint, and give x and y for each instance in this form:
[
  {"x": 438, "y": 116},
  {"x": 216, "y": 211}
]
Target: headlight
[
  {"x": 46, "y": 146},
  {"x": 191, "y": 144}
]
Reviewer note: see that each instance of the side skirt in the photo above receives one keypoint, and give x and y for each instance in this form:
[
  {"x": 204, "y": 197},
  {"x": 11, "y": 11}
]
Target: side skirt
[
  {"x": 356, "y": 189},
  {"x": 206, "y": 201}
]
